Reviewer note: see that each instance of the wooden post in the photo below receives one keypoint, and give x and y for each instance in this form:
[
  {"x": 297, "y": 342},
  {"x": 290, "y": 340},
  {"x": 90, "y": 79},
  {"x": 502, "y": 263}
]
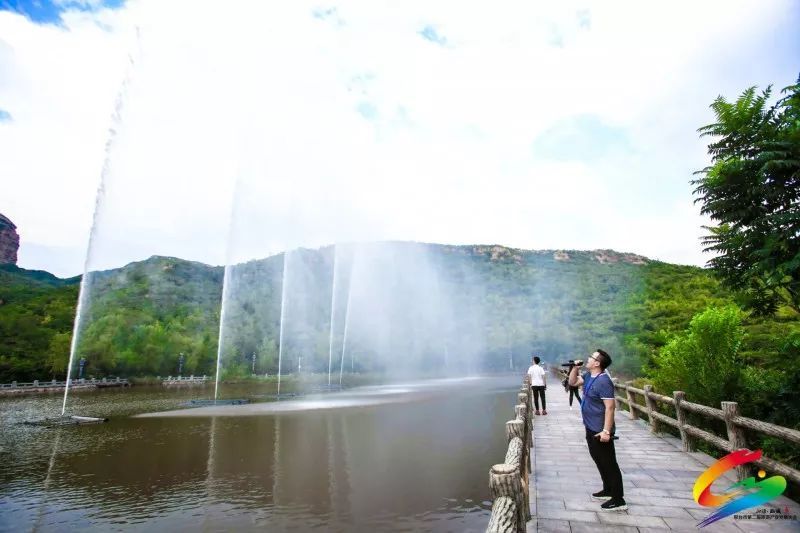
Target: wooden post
[
  {"x": 634, "y": 414},
  {"x": 651, "y": 406},
  {"x": 687, "y": 440},
  {"x": 514, "y": 457},
  {"x": 504, "y": 484},
  {"x": 523, "y": 398},
  {"x": 526, "y": 388},
  {"x": 525, "y": 461},
  {"x": 616, "y": 399},
  {"x": 736, "y": 436},
  {"x": 514, "y": 428}
]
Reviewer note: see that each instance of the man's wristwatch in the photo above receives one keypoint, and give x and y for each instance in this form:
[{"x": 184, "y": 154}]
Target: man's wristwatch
[{"x": 607, "y": 432}]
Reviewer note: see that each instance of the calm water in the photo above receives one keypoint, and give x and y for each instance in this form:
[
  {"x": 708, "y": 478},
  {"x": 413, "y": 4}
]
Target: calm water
[{"x": 411, "y": 457}]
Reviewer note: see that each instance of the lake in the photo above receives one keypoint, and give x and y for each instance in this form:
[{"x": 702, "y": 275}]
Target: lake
[{"x": 402, "y": 457}]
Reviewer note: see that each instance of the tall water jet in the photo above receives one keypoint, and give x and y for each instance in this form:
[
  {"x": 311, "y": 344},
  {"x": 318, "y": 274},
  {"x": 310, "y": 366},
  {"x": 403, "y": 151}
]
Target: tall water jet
[
  {"x": 226, "y": 284},
  {"x": 346, "y": 322},
  {"x": 223, "y": 311},
  {"x": 333, "y": 312},
  {"x": 284, "y": 283},
  {"x": 73, "y": 346},
  {"x": 116, "y": 121}
]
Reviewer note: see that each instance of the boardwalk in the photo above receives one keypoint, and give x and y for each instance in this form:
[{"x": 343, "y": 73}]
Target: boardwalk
[{"x": 657, "y": 474}]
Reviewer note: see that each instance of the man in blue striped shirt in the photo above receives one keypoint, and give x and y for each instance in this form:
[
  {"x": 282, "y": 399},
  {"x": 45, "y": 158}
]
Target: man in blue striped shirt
[{"x": 597, "y": 410}]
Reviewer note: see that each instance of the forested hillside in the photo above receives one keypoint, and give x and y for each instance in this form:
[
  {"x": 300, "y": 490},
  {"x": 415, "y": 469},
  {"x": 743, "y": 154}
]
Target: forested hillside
[
  {"x": 36, "y": 316},
  {"x": 559, "y": 304}
]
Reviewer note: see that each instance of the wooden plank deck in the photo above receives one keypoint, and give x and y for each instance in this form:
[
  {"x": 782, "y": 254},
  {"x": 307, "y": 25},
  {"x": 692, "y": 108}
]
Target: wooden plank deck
[{"x": 658, "y": 478}]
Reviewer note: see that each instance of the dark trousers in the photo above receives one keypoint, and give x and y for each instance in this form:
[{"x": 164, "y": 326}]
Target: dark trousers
[
  {"x": 538, "y": 391},
  {"x": 576, "y": 392},
  {"x": 606, "y": 460}
]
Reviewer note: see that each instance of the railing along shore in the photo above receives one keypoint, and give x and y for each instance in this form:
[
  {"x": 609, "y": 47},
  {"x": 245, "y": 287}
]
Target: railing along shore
[
  {"x": 736, "y": 425},
  {"x": 19, "y": 387},
  {"x": 184, "y": 380},
  {"x": 508, "y": 481}
]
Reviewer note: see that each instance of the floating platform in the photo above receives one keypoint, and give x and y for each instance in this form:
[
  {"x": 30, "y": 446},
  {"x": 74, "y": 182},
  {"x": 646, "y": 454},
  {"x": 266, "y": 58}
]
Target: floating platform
[
  {"x": 68, "y": 420},
  {"x": 208, "y": 403},
  {"x": 284, "y": 395},
  {"x": 325, "y": 388}
]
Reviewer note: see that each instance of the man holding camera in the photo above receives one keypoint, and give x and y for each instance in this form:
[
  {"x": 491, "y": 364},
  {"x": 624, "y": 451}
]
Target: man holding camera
[{"x": 597, "y": 409}]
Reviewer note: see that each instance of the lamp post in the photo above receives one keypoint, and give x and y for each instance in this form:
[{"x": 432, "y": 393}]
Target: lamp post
[
  {"x": 181, "y": 359},
  {"x": 81, "y": 364}
]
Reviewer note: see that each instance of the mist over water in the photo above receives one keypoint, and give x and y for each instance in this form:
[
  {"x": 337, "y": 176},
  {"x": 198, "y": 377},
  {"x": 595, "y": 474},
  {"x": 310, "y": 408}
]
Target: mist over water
[{"x": 315, "y": 286}]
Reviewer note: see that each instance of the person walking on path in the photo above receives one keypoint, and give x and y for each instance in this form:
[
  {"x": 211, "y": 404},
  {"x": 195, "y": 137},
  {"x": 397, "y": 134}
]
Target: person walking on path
[
  {"x": 574, "y": 392},
  {"x": 538, "y": 385},
  {"x": 597, "y": 410}
]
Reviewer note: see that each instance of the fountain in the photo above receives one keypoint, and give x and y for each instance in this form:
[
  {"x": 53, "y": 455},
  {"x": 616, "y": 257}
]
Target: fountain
[
  {"x": 333, "y": 311},
  {"x": 284, "y": 283}
]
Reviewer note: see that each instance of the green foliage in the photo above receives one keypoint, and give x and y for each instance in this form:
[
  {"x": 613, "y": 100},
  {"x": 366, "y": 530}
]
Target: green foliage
[
  {"x": 703, "y": 361},
  {"x": 752, "y": 192},
  {"x": 36, "y": 313},
  {"x": 141, "y": 317}
]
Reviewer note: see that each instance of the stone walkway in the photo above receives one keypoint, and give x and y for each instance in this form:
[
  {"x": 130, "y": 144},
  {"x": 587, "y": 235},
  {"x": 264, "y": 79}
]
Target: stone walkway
[{"x": 658, "y": 478}]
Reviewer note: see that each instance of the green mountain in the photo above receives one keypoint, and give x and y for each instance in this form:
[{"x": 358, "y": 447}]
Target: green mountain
[
  {"x": 503, "y": 304},
  {"x": 36, "y": 315}
]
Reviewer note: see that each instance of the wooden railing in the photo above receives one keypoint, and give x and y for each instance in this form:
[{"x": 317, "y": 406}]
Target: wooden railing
[
  {"x": 736, "y": 425},
  {"x": 508, "y": 481}
]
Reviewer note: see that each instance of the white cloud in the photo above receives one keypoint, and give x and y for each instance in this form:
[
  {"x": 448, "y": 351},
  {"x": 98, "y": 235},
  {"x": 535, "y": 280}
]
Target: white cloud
[{"x": 272, "y": 95}]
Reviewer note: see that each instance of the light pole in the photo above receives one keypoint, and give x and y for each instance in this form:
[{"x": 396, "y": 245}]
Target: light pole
[{"x": 180, "y": 364}]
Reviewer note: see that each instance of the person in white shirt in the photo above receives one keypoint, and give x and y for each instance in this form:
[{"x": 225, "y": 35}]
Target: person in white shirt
[{"x": 538, "y": 385}]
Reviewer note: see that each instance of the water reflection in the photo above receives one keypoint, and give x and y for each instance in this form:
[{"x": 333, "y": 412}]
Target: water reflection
[{"x": 399, "y": 466}]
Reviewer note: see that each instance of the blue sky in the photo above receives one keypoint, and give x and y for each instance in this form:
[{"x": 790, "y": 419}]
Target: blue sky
[
  {"x": 49, "y": 12},
  {"x": 545, "y": 125}
]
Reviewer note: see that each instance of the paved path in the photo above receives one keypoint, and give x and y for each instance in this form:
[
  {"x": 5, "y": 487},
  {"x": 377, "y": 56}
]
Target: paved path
[{"x": 658, "y": 478}]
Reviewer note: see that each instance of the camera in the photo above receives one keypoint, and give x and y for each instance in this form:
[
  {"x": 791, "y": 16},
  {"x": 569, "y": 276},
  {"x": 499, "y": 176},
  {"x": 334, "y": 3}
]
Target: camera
[{"x": 573, "y": 362}]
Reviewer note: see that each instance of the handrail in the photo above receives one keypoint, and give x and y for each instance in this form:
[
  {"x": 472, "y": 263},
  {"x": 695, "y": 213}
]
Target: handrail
[
  {"x": 734, "y": 423},
  {"x": 191, "y": 379},
  {"x": 508, "y": 481},
  {"x": 75, "y": 382}
]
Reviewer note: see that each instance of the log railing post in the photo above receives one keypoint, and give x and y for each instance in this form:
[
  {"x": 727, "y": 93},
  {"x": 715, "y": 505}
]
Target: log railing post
[
  {"x": 504, "y": 489},
  {"x": 736, "y": 436},
  {"x": 634, "y": 414},
  {"x": 687, "y": 440},
  {"x": 523, "y": 399},
  {"x": 526, "y": 388},
  {"x": 509, "y": 482},
  {"x": 615, "y": 381},
  {"x": 516, "y": 429},
  {"x": 651, "y": 406}
]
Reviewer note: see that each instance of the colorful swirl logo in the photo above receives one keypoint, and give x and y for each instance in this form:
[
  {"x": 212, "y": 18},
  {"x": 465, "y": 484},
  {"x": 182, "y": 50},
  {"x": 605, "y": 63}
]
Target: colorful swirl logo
[{"x": 752, "y": 492}]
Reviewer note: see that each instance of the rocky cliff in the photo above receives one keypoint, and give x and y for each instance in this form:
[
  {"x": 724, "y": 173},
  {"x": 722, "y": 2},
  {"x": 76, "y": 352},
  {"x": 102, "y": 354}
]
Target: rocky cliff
[{"x": 9, "y": 241}]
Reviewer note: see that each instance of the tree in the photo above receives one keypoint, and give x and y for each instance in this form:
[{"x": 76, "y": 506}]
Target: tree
[
  {"x": 752, "y": 191},
  {"x": 704, "y": 360}
]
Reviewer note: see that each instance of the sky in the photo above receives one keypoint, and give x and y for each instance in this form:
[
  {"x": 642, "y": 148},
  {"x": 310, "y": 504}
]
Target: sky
[{"x": 221, "y": 134}]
